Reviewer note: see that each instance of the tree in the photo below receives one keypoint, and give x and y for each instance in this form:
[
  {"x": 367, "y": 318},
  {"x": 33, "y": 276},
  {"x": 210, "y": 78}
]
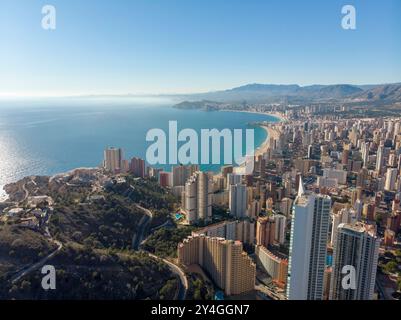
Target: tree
[
  {"x": 390, "y": 267},
  {"x": 197, "y": 294}
]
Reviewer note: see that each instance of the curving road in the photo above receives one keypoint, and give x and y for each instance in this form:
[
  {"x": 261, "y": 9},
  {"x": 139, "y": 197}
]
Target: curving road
[
  {"x": 182, "y": 291},
  {"x": 137, "y": 240},
  {"x": 38, "y": 264},
  {"x": 42, "y": 262}
]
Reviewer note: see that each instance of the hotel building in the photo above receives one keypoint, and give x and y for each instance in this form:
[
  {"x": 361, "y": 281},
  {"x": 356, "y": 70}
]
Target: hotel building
[
  {"x": 197, "y": 197},
  {"x": 243, "y": 231},
  {"x": 223, "y": 260},
  {"x": 113, "y": 158},
  {"x": 275, "y": 266}
]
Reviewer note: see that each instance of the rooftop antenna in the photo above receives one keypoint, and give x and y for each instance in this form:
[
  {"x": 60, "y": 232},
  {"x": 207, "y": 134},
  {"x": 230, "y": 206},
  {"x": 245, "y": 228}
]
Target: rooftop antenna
[{"x": 301, "y": 190}]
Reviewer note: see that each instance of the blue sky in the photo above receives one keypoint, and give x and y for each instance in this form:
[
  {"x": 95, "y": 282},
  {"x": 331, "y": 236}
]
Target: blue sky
[{"x": 178, "y": 46}]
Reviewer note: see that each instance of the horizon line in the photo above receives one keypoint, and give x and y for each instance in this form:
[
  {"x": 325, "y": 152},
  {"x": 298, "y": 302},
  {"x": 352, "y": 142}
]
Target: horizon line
[{"x": 6, "y": 95}]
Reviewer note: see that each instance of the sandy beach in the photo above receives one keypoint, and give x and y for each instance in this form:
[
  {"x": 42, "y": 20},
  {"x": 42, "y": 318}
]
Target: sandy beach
[
  {"x": 270, "y": 132},
  {"x": 277, "y": 115}
]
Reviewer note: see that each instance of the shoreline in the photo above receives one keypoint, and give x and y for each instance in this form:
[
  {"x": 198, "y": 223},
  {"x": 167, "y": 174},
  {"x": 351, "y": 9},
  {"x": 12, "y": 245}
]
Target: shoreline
[
  {"x": 259, "y": 150},
  {"x": 264, "y": 146},
  {"x": 269, "y": 131},
  {"x": 279, "y": 116}
]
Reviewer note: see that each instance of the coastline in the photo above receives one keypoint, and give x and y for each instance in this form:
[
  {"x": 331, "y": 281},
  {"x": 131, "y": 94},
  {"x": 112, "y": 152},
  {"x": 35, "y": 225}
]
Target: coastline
[
  {"x": 258, "y": 150},
  {"x": 265, "y": 144},
  {"x": 279, "y": 116},
  {"x": 270, "y": 132}
]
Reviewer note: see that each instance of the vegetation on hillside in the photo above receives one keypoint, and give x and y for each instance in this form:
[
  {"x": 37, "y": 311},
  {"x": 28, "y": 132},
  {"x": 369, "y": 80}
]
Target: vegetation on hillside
[
  {"x": 105, "y": 224},
  {"x": 96, "y": 260},
  {"x": 83, "y": 273},
  {"x": 20, "y": 247},
  {"x": 199, "y": 288},
  {"x": 163, "y": 242}
]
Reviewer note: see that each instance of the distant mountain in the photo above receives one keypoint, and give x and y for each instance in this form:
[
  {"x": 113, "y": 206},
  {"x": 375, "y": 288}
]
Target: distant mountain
[
  {"x": 283, "y": 93},
  {"x": 337, "y": 91},
  {"x": 386, "y": 92},
  {"x": 272, "y": 89},
  {"x": 278, "y": 93},
  {"x": 203, "y": 104}
]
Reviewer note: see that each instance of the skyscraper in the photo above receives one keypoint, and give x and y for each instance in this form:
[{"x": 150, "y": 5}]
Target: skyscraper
[
  {"x": 182, "y": 173},
  {"x": 280, "y": 222},
  {"x": 369, "y": 211},
  {"x": 198, "y": 197},
  {"x": 238, "y": 200},
  {"x": 391, "y": 177},
  {"x": 265, "y": 231},
  {"x": 345, "y": 215},
  {"x": 365, "y": 153},
  {"x": 380, "y": 158},
  {"x": 345, "y": 156},
  {"x": 137, "y": 167},
  {"x": 399, "y": 163},
  {"x": 164, "y": 179},
  {"x": 307, "y": 256},
  {"x": 232, "y": 179},
  {"x": 310, "y": 151},
  {"x": 262, "y": 167},
  {"x": 113, "y": 158},
  {"x": 357, "y": 246}
]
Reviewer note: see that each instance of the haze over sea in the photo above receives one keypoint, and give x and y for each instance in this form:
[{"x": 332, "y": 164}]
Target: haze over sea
[{"x": 45, "y": 137}]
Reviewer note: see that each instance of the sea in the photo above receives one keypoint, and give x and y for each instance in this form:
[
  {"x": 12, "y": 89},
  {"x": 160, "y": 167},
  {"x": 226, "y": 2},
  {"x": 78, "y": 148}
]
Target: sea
[{"x": 50, "y": 136}]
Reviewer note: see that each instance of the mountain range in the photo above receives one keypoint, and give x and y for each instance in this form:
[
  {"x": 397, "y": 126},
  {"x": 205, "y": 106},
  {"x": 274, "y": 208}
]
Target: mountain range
[{"x": 294, "y": 93}]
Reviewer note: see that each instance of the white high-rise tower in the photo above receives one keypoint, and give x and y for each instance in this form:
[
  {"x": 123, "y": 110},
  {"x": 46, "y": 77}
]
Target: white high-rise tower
[{"x": 309, "y": 234}]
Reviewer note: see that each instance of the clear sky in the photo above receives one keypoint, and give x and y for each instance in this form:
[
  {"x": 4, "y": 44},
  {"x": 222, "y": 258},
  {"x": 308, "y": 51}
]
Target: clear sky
[{"x": 179, "y": 46}]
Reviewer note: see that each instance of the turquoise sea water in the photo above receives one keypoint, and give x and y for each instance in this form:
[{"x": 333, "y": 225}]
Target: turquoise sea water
[{"x": 45, "y": 138}]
